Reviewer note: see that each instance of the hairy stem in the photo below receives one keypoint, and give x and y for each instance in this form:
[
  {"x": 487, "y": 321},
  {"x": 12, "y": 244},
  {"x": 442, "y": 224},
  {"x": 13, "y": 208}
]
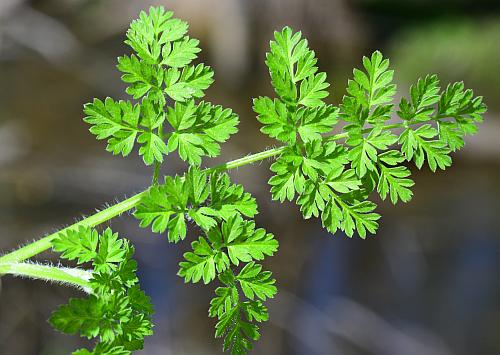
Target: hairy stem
[
  {"x": 75, "y": 277},
  {"x": 249, "y": 159},
  {"x": 45, "y": 243}
]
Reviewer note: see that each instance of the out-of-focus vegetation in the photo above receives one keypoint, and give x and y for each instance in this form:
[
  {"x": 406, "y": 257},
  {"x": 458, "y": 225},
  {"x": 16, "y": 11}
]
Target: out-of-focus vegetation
[{"x": 466, "y": 49}]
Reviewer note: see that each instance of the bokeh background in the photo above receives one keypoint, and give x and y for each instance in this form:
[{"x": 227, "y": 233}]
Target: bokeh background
[{"x": 427, "y": 284}]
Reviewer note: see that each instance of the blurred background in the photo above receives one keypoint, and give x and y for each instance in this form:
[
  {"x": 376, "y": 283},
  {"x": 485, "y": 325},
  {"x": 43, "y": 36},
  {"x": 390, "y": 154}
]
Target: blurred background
[{"x": 427, "y": 284}]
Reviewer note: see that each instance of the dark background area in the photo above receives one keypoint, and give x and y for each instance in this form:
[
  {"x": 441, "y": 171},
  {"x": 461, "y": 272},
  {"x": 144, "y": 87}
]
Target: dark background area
[{"x": 427, "y": 284}]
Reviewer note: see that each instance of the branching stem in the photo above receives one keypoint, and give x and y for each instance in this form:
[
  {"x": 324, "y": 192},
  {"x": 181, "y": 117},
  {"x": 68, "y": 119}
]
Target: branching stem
[
  {"x": 71, "y": 276},
  {"x": 45, "y": 243}
]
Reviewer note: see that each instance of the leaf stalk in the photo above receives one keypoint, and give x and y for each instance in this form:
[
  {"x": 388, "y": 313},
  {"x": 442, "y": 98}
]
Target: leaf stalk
[{"x": 78, "y": 278}]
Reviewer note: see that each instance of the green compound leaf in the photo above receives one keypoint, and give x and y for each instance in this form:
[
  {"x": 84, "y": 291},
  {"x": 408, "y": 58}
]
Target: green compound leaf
[
  {"x": 199, "y": 129},
  {"x": 244, "y": 243},
  {"x": 370, "y": 93},
  {"x": 276, "y": 119},
  {"x": 419, "y": 145},
  {"x": 365, "y": 149},
  {"x": 180, "y": 53},
  {"x": 153, "y": 148},
  {"x": 313, "y": 199},
  {"x": 255, "y": 311},
  {"x": 166, "y": 205},
  {"x": 393, "y": 178},
  {"x": 233, "y": 241},
  {"x": 255, "y": 246},
  {"x": 312, "y": 90},
  {"x": 112, "y": 250},
  {"x": 281, "y": 61},
  {"x": 294, "y": 167},
  {"x": 289, "y": 178},
  {"x": 256, "y": 283},
  {"x": 464, "y": 109},
  {"x": 460, "y": 104},
  {"x": 457, "y": 112},
  {"x": 378, "y": 87},
  {"x": 343, "y": 181},
  {"x": 330, "y": 178},
  {"x": 117, "y": 121},
  {"x": 203, "y": 262},
  {"x": 300, "y": 110},
  {"x": 160, "y": 69},
  {"x": 424, "y": 95},
  {"x": 314, "y": 122},
  {"x": 121, "y": 123},
  {"x": 84, "y": 245},
  {"x": 236, "y": 316},
  {"x": 151, "y": 31},
  {"x": 452, "y": 134},
  {"x": 346, "y": 216},
  {"x": 143, "y": 78},
  {"x": 189, "y": 83},
  {"x": 326, "y": 186},
  {"x": 227, "y": 198},
  {"x": 80, "y": 315},
  {"x": 338, "y": 211},
  {"x": 290, "y": 55},
  {"x": 237, "y": 239},
  {"x": 226, "y": 298},
  {"x": 117, "y": 313},
  {"x": 77, "y": 244},
  {"x": 291, "y": 63},
  {"x": 237, "y": 332}
]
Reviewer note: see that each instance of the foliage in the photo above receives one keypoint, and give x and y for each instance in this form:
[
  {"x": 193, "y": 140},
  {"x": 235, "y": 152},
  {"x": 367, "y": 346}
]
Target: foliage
[
  {"x": 160, "y": 71},
  {"x": 219, "y": 208},
  {"x": 117, "y": 313},
  {"x": 330, "y": 175},
  {"x": 333, "y": 181}
]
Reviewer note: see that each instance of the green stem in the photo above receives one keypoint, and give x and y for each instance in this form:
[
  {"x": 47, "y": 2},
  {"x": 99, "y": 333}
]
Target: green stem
[
  {"x": 74, "y": 277},
  {"x": 366, "y": 130},
  {"x": 249, "y": 159},
  {"x": 156, "y": 173},
  {"x": 45, "y": 243},
  {"x": 396, "y": 125}
]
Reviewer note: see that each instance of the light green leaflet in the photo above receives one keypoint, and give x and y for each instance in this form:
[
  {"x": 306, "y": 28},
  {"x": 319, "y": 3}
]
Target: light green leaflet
[
  {"x": 117, "y": 313},
  {"x": 333, "y": 181},
  {"x": 161, "y": 70}
]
